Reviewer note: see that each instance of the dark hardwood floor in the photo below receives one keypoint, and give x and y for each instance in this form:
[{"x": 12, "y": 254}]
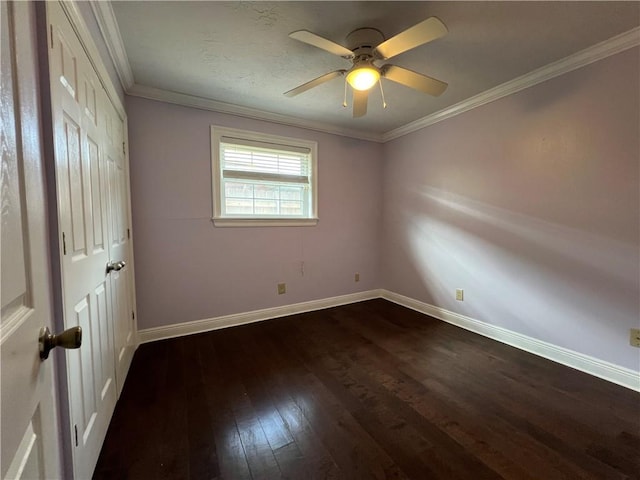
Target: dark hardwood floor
[{"x": 368, "y": 390}]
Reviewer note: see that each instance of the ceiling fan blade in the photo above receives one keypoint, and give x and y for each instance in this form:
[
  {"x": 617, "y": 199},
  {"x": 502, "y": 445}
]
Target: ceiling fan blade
[
  {"x": 419, "y": 34},
  {"x": 414, "y": 80},
  {"x": 320, "y": 42},
  {"x": 314, "y": 83},
  {"x": 360, "y": 98}
]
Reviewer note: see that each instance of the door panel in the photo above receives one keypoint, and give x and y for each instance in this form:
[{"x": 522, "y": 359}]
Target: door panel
[
  {"x": 72, "y": 185},
  {"x": 27, "y": 462},
  {"x": 90, "y": 99},
  {"x": 97, "y": 195},
  {"x": 29, "y": 437},
  {"x": 68, "y": 68},
  {"x": 100, "y": 335}
]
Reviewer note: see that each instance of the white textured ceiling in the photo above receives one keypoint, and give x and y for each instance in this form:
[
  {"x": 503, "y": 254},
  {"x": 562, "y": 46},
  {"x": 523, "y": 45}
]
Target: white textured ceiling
[{"x": 240, "y": 53}]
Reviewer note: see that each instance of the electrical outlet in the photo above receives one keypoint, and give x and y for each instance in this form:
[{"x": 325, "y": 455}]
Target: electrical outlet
[
  {"x": 634, "y": 337},
  {"x": 356, "y": 277},
  {"x": 459, "y": 294},
  {"x": 282, "y": 288}
]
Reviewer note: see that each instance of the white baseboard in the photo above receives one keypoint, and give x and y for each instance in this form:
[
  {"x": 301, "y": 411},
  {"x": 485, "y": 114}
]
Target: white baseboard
[
  {"x": 199, "y": 326},
  {"x": 593, "y": 366}
]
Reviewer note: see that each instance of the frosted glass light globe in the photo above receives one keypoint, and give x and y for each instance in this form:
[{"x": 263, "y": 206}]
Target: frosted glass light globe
[{"x": 363, "y": 78}]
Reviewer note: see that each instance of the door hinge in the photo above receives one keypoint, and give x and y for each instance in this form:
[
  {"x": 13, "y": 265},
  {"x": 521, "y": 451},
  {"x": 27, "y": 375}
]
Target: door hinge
[
  {"x": 128, "y": 233},
  {"x": 133, "y": 315},
  {"x": 75, "y": 428},
  {"x": 64, "y": 244},
  {"x": 51, "y": 32},
  {"x": 123, "y": 152}
]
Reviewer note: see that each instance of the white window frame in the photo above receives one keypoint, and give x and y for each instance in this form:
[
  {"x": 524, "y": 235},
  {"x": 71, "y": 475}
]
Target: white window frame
[{"x": 221, "y": 220}]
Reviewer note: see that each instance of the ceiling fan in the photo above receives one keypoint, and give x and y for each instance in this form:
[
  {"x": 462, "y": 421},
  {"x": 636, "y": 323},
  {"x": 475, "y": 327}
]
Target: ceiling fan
[{"x": 367, "y": 48}]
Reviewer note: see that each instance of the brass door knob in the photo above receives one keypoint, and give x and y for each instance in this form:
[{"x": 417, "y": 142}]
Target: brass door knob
[{"x": 70, "y": 338}]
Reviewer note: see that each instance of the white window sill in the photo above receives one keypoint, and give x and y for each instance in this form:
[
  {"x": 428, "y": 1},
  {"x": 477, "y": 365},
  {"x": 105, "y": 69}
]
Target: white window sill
[{"x": 264, "y": 222}]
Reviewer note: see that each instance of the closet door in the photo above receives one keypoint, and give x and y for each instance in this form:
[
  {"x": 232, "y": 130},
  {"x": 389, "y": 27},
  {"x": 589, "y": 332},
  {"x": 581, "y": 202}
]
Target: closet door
[
  {"x": 86, "y": 185},
  {"x": 119, "y": 241}
]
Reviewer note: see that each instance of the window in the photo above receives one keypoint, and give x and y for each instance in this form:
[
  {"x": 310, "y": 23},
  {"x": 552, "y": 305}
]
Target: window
[{"x": 262, "y": 179}]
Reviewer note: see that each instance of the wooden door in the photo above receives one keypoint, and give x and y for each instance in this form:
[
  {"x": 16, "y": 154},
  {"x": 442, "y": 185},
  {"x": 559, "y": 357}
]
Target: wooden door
[
  {"x": 29, "y": 435},
  {"x": 82, "y": 178}
]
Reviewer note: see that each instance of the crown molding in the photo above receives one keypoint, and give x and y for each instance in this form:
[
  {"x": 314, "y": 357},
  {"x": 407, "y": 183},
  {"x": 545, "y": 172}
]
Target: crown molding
[
  {"x": 185, "y": 100},
  {"x": 113, "y": 40},
  {"x": 599, "y": 51},
  {"x": 110, "y": 32},
  {"x": 108, "y": 25}
]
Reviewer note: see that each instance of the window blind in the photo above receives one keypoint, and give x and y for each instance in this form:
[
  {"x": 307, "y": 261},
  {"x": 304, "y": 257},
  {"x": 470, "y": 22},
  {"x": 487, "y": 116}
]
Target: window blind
[
  {"x": 248, "y": 157},
  {"x": 264, "y": 179}
]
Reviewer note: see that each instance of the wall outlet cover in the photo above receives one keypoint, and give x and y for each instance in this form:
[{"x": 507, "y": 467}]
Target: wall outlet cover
[{"x": 282, "y": 288}]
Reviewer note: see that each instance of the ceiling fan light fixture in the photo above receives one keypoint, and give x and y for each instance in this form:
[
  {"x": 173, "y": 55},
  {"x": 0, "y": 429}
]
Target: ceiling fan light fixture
[
  {"x": 363, "y": 77},
  {"x": 365, "y": 46}
]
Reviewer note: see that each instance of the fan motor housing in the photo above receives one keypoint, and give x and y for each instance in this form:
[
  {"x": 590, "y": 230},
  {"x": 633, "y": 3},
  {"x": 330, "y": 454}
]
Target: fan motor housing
[{"x": 363, "y": 40}]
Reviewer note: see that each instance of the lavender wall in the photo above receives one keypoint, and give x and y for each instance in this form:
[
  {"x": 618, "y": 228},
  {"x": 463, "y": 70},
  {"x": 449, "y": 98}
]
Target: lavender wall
[
  {"x": 531, "y": 205},
  {"x": 188, "y": 269}
]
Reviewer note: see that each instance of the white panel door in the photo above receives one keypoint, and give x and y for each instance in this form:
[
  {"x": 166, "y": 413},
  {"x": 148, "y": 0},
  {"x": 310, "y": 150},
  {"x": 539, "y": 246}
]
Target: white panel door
[
  {"x": 82, "y": 192},
  {"x": 119, "y": 242},
  {"x": 29, "y": 436}
]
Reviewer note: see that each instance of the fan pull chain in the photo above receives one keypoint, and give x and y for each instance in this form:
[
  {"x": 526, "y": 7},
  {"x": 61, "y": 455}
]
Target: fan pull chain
[
  {"x": 384, "y": 104},
  {"x": 344, "y": 102}
]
